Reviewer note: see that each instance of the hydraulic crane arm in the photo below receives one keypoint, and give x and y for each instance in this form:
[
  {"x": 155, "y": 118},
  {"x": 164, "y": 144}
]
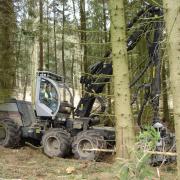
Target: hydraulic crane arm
[{"x": 100, "y": 73}]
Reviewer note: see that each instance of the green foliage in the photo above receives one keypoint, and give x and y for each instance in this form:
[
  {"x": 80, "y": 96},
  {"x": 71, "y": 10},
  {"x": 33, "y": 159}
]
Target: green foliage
[
  {"x": 147, "y": 139},
  {"x": 138, "y": 168}
]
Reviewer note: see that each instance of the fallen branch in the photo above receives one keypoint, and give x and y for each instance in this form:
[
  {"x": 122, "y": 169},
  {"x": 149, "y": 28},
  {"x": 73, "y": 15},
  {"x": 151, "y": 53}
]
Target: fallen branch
[
  {"x": 161, "y": 153},
  {"x": 100, "y": 150},
  {"x": 148, "y": 152}
]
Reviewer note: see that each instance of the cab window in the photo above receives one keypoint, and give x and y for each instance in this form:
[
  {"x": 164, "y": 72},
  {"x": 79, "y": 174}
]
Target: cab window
[{"x": 48, "y": 95}]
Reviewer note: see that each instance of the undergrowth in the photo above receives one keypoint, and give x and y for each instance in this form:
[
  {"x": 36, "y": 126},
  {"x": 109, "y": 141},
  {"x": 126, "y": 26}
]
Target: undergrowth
[{"x": 138, "y": 168}]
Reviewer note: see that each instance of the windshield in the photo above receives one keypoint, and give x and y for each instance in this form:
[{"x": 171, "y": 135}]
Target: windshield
[{"x": 48, "y": 95}]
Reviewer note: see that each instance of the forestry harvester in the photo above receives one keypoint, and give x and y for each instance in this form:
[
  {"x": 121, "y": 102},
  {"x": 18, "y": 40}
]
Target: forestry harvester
[{"x": 62, "y": 128}]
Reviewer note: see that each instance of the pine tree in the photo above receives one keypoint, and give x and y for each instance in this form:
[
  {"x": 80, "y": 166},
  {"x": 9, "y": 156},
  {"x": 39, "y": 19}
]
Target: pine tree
[{"x": 123, "y": 114}]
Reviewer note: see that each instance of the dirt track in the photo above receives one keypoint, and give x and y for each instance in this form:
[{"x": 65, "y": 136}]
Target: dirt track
[
  {"x": 27, "y": 163},
  {"x": 32, "y": 164}
]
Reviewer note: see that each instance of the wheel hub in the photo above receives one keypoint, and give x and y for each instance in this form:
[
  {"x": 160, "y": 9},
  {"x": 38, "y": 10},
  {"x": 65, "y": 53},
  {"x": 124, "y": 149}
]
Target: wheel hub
[
  {"x": 83, "y": 145},
  {"x": 53, "y": 144}
]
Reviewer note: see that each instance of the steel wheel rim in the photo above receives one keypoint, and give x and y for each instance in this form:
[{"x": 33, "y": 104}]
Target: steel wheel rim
[
  {"x": 53, "y": 145},
  {"x": 85, "y": 144}
]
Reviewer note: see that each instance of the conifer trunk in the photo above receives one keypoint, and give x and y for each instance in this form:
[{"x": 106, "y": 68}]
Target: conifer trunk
[
  {"x": 166, "y": 115},
  {"x": 63, "y": 60},
  {"x": 54, "y": 29},
  {"x": 7, "y": 58},
  {"x": 172, "y": 20},
  {"x": 48, "y": 37},
  {"x": 123, "y": 114},
  {"x": 83, "y": 33},
  {"x": 41, "y": 60},
  {"x": 105, "y": 22}
]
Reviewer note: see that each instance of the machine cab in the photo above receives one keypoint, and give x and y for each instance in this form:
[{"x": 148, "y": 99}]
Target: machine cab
[{"x": 48, "y": 93}]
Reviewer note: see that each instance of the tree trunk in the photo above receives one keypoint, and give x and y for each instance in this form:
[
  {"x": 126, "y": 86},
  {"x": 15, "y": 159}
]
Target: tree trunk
[
  {"x": 83, "y": 33},
  {"x": 105, "y": 22},
  {"x": 83, "y": 38},
  {"x": 54, "y": 29},
  {"x": 124, "y": 122},
  {"x": 108, "y": 86},
  {"x": 172, "y": 19},
  {"x": 166, "y": 116},
  {"x": 47, "y": 24},
  {"x": 74, "y": 13},
  {"x": 25, "y": 86},
  {"x": 7, "y": 58},
  {"x": 72, "y": 76},
  {"x": 41, "y": 61},
  {"x": 63, "y": 60}
]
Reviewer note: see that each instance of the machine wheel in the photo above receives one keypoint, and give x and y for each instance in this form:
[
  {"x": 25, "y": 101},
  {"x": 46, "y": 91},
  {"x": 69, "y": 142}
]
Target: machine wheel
[
  {"x": 89, "y": 139},
  {"x": 56, "y": 143},
  {"x": 10, "y": 133}
]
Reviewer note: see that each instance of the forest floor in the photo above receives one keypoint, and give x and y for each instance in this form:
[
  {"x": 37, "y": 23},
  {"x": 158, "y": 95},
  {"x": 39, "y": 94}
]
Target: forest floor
[{"x": 32, "y": 164}]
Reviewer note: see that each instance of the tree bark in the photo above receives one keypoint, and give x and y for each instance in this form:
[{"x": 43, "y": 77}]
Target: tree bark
[
  {"x": 47, "y": 26},
  {"x": 72, "y": 75},
  {"x": 54, "y": 29},
  {"x": 7, "y": 58},
  {"x": 166, "y": 116},
  {"x": 41, "y": 60},
  {"x": 105, "y": 22},
  {"x": 63, "y": 60},
  {"x": 124, "y": 122},
  {"x": 172, "y": 19},
  {"x": 83, "y": 33},
  {"x": 25, "y": 86},
  {"x": 83, "y": 38}
]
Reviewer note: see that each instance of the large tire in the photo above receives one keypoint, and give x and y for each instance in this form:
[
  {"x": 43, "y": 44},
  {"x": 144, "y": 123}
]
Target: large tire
[
  {"x": 56, "y": 143},
  {"x": 90, "y": 139},
  {"x": 10, "y": 133}
]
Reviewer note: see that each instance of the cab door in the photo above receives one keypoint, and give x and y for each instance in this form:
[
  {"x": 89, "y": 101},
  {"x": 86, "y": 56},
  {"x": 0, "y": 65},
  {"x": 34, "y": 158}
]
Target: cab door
[{"x": 47, "y": 100}]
